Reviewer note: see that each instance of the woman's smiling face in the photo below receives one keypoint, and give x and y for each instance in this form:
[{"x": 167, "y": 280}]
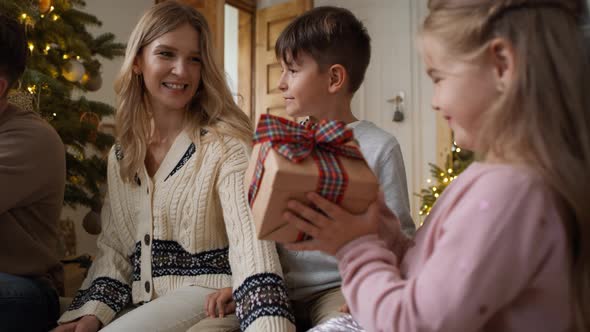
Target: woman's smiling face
[{"x": 171, "y": 68}]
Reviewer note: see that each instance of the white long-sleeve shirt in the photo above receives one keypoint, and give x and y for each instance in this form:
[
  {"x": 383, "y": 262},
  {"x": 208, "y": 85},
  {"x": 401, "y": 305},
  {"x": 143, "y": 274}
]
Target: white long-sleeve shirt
[{"x": 311, "y": 272}]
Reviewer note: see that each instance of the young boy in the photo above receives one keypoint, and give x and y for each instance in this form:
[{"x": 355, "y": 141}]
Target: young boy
[
  {"x": 324, "y": 54},
  {"x": 32, "y": 180}
]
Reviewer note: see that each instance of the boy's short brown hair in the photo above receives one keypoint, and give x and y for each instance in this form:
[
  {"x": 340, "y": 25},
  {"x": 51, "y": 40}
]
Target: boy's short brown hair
[
  {"x": 13, "y": 43},
  {"x": 330, "y": 35}
]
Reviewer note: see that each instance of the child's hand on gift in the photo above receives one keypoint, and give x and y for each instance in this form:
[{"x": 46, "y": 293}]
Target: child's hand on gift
[
  {"x": 334, "y": 228},
  {"x": 220, "y": 302}
]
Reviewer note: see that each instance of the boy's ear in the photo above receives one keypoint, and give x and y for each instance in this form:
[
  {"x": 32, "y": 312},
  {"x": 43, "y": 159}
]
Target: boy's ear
[
  {"x": 338, "y": 78},
  {"x": 503, "y": 61}
]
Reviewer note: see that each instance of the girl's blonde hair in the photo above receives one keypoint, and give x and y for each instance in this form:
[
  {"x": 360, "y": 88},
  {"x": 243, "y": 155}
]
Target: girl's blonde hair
[
  {"x": 542, "y": 119},
  {"x": 212, "y": 108}
]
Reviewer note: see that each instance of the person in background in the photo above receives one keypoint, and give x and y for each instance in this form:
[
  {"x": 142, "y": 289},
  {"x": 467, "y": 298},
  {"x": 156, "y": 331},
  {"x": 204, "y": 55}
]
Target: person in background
[{"x": 32, "y": 182}]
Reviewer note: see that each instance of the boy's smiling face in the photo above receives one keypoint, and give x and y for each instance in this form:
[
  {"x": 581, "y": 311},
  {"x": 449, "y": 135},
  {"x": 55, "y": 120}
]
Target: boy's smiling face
[{"x": 304, "y": 86}]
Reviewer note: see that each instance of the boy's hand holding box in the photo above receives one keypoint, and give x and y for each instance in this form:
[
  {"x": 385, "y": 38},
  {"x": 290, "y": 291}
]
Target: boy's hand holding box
[{"x": 290, "y": 160}]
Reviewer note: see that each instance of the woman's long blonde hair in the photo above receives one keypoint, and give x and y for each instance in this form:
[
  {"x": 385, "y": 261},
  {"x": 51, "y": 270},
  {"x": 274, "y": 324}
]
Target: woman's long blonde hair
[
  {"x": 212, "y": 108},
  {"x": 543, "y": 119}
]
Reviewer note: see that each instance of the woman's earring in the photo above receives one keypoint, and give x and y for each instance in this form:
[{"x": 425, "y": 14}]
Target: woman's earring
[{"x": 500, "y": 87}]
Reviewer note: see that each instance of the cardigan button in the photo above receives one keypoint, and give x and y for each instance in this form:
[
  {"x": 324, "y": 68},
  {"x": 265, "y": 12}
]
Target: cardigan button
[
  {"x": 146, "y": 239},
  {"x": 147, "y": 286}
]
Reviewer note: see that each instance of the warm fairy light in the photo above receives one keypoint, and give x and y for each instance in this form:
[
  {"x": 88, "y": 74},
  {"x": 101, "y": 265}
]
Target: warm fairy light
[
  {"x": 54, "y": 114},
  {"x": 436, "y": 195},
  {"x": 31, "y": 46},
  {"x": 51, "y": 9},
  {"x": 23, "y": 16},
  {"x": 77, "y": 57},
  {"x": 433, "y": 188},
  {"x": 32, "y": 89},
  {"x": 458, "y": 149},
  {"x": 428, "y": 180},
  {"x": 42, "y": 16},
  {"x": 55, "y": 17},
  {"x": 445, "y": 180},
  {"x": 450, "y": 170},
  {"x": 442, "y": 174},
  {"x": 65, "y": 57}
]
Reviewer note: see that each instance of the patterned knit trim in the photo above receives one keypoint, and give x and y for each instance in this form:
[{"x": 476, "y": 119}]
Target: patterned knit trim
[
  {"x": 111, "y": 292},
  {"x": 187, "y": 155},
  {"x": 170, "y": 259},
  {"x": 263, "y": 294}
]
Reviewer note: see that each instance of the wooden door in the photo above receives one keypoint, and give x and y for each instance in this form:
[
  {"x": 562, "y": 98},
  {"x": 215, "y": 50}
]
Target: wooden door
[{"x": 270, "y": 22}]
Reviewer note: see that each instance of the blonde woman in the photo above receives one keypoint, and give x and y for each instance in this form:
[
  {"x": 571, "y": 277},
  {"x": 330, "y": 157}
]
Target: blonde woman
[{"x": 176, "y": 221}]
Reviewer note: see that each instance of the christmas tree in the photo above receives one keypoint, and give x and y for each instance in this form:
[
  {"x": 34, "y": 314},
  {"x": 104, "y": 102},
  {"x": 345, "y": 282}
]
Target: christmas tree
[
  {"x": 63, "y": 64},
  {"x": 457, "y": 161}
]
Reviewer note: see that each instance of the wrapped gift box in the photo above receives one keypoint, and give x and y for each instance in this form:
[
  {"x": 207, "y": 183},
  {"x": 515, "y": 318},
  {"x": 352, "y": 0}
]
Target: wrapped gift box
[{"x": 283, "y": 180}]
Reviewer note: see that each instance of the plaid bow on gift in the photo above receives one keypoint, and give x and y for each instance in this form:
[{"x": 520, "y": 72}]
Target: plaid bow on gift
[{"x": 324, "y": 141}]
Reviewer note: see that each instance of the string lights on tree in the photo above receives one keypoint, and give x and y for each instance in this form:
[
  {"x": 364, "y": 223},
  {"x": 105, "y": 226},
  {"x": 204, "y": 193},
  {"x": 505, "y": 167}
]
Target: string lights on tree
[
  {"x": 63, "y": 64},
  {"x": 457, "y": 161}
]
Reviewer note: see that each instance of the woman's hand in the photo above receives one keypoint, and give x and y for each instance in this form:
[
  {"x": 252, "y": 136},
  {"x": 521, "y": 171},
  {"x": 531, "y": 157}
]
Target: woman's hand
[
  {"x": 333, "y": 228},
  {"x": 85, "y": 324},
  {"x": 220, "y": 302}
]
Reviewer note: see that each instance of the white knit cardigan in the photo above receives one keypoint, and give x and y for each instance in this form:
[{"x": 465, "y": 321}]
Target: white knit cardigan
[{"x": 188, "y": 225}]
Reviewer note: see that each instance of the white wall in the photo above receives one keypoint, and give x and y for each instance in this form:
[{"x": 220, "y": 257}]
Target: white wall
[
  {"x": 230, "y": 48},
  {"x": 118, "y": 17}
]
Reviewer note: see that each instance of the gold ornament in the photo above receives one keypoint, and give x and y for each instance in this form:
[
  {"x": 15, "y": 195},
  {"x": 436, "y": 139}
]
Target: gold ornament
[
  {"x": 44, "y": 6},
  {"x": 73, "y": 71}
]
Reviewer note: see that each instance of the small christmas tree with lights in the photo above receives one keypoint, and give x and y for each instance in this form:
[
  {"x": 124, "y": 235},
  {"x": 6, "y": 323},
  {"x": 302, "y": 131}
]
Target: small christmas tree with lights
[
  {"x": 457, "y": 161},
  {"x": 62, "y": 63}
]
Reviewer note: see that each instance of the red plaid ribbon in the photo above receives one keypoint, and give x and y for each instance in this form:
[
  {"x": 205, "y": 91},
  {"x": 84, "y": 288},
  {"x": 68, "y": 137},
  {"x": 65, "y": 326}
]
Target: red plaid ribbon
[{"x": 324, "y": 141}]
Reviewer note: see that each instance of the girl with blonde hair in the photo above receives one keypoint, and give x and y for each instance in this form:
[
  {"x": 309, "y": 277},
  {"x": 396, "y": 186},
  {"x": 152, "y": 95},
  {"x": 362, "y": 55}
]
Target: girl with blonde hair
[
  {"x": 507, "y": 245},
  {"x": 176, "y": 223}
]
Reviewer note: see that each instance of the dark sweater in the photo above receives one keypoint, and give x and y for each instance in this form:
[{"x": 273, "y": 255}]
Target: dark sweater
[{"x": 32, "y": 180}]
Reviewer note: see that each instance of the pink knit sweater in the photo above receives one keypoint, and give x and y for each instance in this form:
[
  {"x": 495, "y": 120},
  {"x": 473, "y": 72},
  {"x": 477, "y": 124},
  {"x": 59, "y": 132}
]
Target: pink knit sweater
[{"x": 491, "y": 256}]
